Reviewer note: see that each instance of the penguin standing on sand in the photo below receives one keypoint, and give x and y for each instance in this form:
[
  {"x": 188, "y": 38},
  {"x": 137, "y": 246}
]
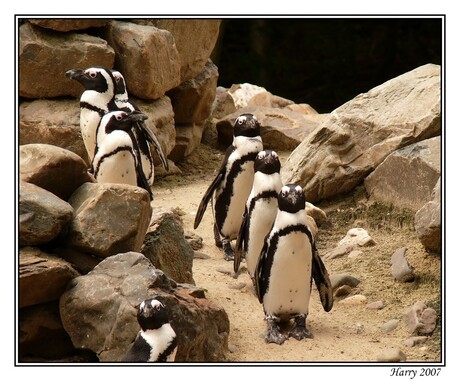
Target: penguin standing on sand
[
  {"x": 143, "y": 135},
  {"x": 288, "y": 263},
  {"x": 260, "y": 212},
  {"x": 95, "y": 101},
  {"x": 117, "y": 158},
  {"x": 156, "y": 341},
  {"x": 233, "y": 183}
]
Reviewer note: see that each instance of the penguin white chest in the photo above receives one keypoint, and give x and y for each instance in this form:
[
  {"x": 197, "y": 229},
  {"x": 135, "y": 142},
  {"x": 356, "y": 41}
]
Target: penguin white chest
[
  {"x": 290, "y": 277},
  {"x": 89, "y": 121},
  {"x": 159, "y": 340}
]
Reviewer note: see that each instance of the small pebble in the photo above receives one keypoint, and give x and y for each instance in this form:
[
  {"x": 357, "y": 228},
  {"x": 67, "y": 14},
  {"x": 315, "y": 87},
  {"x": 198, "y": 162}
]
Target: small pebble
[
  {"x": 338, "y": 280},
  {"x": 225, "y": 270},
  {"x": 354, "y": 300},
  {"x": 344, "y": 290},
  {"x": 378, "y": 305},
  {"x": 200, "y": 255},
  {"x": 389, "y": 326},
  {"x": 415, "y": 340},
  {"x": 400, "y": 268},
  {"x": 392, "y": 355},
  {"x": 354, "y": 254},
  {"x": 237, "y": 286},
  {"x": 232, "y": 348}
]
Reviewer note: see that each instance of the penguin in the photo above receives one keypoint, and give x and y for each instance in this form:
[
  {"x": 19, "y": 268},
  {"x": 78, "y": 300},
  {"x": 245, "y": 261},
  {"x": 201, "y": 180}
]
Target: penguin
[
  {"x": 156, "y": 341},
  {"x": 231, "y": 187},
  {"x": 260, "y": 212},
  {"x": 117, "y": 158},
  {"x": 288, "y": 263},
  {"x": 97, "y": 99},
  {"x": 145, "y": 137}
]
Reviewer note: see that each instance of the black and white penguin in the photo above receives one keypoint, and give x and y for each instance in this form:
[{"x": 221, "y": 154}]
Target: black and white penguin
[
  {"x": 145, "y": 137},
  {"x": 260, "y": 212},
  {"x": 288, "y": 263},
  {"x": 117, "y": 158},
  {"x": 233, "y": 183},
  {"x": 156, "y": 341},
  {"x": 97, "y": 99}
]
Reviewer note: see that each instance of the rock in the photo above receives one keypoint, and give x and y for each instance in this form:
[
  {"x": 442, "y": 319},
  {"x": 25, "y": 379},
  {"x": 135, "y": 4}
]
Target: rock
[
  {"x": 98, "y": 311},
  {"x": 378, "y": 305},
  {"x": 194, "y": 240},
  {"x": 392, "y": 355},
  {"x": 54, "y": 122},
  {"x": 66, "y": 25},
  {"x": 427, "y": 221},
  {"x": 45, "y": 56},
  {"x": 389, "y": 326},
  {"x": 407, "y": 176},
  {"x": 166, "y": 247},
  {"x": 41, "y": 334},
  {"x": 195, "y": 40},
  {"x": 355, "y": 237},
  {"x": 301, "y": 108},
  {"x": 281, "y": 129},
  {"x": 161, "y": 122},
  {"x": 223, "y": 104},
  {"x": 355, "y": 254},
  {"x": 55, "y": 169},
  {"x": 42, "y": 277},
  {"x": 109, "y": 218},
  {"x": 420, "y": 319},
  {"x": 316, "y": 213},
  {"x": 267, "y": 99},
  {"x": 338, "y": 280},
  {"x": 415, "y": 340},
  {"x": 80, "y": 261},
  {"x": 200, "y": 255},
  {"x": 192, "y": 100},
  {"x": 342, "y": 291},
  {"x": 243, "y": 93},
  {"x": 356, "y": 137},
  {"x": 188, "y": 138},
  {"x": 42, "y": 215},
  {"x": 237, "y": 286},
  {"x": 354, "y": 300},
  {"x": 401, "y": 269},
  {"x": 153, "y": 50}
]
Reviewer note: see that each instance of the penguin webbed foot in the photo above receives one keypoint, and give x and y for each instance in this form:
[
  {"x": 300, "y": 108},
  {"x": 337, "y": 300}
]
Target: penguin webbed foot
[
  {"x": 300, "y": 330},
  {"x": 229, "y": 254},
  {"x": 274, "y": 334}
]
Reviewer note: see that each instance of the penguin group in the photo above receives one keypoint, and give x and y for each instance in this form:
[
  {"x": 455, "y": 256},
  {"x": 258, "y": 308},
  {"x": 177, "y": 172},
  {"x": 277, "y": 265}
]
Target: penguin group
[
  {"x": 269, "y": 223},
  {"x": 116, "y": 138}
]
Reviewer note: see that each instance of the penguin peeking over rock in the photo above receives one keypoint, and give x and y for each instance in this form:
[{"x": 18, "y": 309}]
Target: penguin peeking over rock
[
  {"x": 231, "y": 187},
  {"x": 288, "y": 263},
  {"x": 156, "y": 340}
]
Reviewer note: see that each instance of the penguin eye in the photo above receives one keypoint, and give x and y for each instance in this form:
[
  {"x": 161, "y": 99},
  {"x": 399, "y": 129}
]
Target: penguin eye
[
  {"x": 92, "y": 74},
  {"x": 119, "y": 117}
]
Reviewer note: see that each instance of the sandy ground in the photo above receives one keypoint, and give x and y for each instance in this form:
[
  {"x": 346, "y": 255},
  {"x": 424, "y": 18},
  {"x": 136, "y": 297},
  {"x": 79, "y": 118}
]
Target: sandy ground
[{"x": 349, "y": 333}]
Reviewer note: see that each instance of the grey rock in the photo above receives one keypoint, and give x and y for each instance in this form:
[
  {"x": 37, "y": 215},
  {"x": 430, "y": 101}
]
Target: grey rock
[
  {"x": 389, "y": 326},
  {"x": 98, "y": 311},
  {"x": 194, "y": 240},
  {"x": 39, "y": 49},
  {"x": 415, "y": 340},
  {"x": 355, "y": 237},
  {"x": 42, "y": 215},
  {"x": 42, "y": 277},
  {"x": 392, "y": 355},
  {"x": 427, "y": 221},
  {"x": 338, "y": 280},
  {"x": 342, "y": 291},
  {"x": 378, "y": 305},
  {"x": 407, "y": 176},
  {"x": 166, "y": 247},
  {"x": 356, "y": 137},
  {"x": 401, "y": 269},
  {"x": 420, "y": 319},
  {"x": 152, "y": 49},
  {"x": 66, "y": 25},
  {"x": 55, "y": 169},
  {"x": 109, "y": 218},
  {"x": 52, "y": 121}
]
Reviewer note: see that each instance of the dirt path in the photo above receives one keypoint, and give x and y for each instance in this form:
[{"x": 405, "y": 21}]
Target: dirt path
[{"x": 349, "y": 333}]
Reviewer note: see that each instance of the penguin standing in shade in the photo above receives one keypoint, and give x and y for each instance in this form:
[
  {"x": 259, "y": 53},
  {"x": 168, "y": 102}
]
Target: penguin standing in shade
[
  {"x": 260, "y": 212},
  {"x": 97, "y": 100},
  {"x": 143, "y": 135},
  {"x": 156, "y": 341},
  {"x": 233, "y": 183},
  {"x": 117, "y": 158},
  {"x": 288, "y": 263}
]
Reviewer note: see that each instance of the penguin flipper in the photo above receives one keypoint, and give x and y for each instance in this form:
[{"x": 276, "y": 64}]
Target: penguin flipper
[
  {"x": 322, "y": 281},
  {"x": 141, "y": 179},
  {"x": 150, "y": 137},
  {"x": 262, "y": 273},
  {"x": 240, "y": 240}
]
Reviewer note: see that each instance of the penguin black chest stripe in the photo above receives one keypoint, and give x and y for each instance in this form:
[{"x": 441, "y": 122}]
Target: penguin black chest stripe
[
  {"x": 264, "y": 194},
  {"x": 91, "y": 107},
  {"x": 103, "y": 157},
  {"x": 268, "y": 255},
  {"x": 163, "y": 357},
  {"x": 223, "y": 202}
]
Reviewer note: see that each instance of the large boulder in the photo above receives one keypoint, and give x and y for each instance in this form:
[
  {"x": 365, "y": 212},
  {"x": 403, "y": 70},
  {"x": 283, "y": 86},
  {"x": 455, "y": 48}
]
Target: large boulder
[
  {"x": 407, "y": 176},
  {"x": 42, "y": 277},
  {"x": 52, "y": 121},
  {"x": 109, "y": 218},
  {"x": 42, "y": 215},
  {"x": 360, "y": 134},
  {"x": 427, "y": 221},
  {"x": 147, "y": 57},
  {"x": 52, "y": 168},
  {"x": 99, "y": 311},
  {"x": 166, "y": 247},
  {"x": 66, "y": 25},
  {"x": 45, "y": 56}
]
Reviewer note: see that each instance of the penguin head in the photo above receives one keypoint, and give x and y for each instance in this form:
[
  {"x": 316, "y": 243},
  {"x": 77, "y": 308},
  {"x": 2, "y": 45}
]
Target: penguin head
[
  {"x": 152, "y": 314},
  {"x": 93, "y": 78},
  {"x": 291, "y": 198},
  {"x": 267, "y": 162},
  {"x": 121, "y": 120},
  {"x": 120, "y": 83},
  {"x": 246, "y": 125}
]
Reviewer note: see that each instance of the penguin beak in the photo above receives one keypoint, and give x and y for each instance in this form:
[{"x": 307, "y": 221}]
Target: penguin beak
[
  {"x": 74, "y": 74},
  {"x": 137, "y": 116}
]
